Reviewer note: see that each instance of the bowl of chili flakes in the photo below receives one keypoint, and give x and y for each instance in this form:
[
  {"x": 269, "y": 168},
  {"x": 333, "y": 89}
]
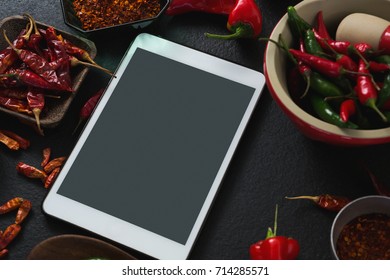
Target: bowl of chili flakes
[
  {"x": 58, "y": 103},
  {"x": 89, "y": 16}
]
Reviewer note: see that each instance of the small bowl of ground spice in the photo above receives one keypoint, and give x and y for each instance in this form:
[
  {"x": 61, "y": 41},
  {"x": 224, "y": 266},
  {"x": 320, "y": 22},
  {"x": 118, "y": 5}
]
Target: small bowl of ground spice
[
  {"x": 93, "y": 15},
  {"x": 361, "y": 230}
]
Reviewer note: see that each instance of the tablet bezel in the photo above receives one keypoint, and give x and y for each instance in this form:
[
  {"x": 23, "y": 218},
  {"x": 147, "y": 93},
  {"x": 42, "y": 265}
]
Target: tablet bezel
[{"x": 124, "y": 232}]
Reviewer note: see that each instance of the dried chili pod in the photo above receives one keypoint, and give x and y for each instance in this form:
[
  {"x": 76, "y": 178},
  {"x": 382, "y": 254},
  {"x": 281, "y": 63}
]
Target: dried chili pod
[
  {"x": 45, "y": 156},
  {"x": 3, "y": 253},
  {"x": 8, "y": 235},
  {"x": 326, "y": 201},
  {"x": 23, "y": 211},
  {"x": 36, "y": 102},
  {"x": 31, "y": 172},
  {"x": 379, "y": 186},
  {"x": 23, "y": 142},
  {"x": 54, "y": 163},
  {"x": 51, "y": 178},
  {"x": 15, "y": 105},
  {"x": 10, "y": 205},
  {"x": 9, "y": 142}
]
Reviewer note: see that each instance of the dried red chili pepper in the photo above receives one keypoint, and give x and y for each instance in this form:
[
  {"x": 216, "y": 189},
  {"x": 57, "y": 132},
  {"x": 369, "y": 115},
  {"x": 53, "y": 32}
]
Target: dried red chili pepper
[
  {"x": 366, "y": 91},
  {"x": 36, "y": 102},
  {"x": 45, "y": 156},
  {"x": 244, "y": 21},
  {"x": 15, "y": 105},
  {"x": 23, "y": 211},
  {"x": 88, "y": 107},
  {"x": 31, "y": 172},
  {"x": 3, "y": 253},
  {"x": 54, "y": 163},
  {"x": 34, "y": 42},
  {"x": 23, "y": 143},
  {"x": 347, "y": 109},
  {"x": 10, "y": 205},
  {"x": 77, "y": 52},
  {"x": 51, "y": 178},
  {"x": 14, "y": 93},
  {"x": 8, "y": 235},
  {"x": 379, "y": 186},
  {"x": 39, "y": 65},
  {"x": 177, "y": 7},
  {"x": 274, "y": 247},
  {"x": 326, "y": 201},
  {"x": 9, "y": 142}
]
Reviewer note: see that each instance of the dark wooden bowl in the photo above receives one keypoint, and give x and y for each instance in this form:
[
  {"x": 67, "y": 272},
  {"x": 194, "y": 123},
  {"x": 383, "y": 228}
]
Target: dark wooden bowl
[
  {"x": 56, "y": 109},
  {"x": 76, "y": 247}
]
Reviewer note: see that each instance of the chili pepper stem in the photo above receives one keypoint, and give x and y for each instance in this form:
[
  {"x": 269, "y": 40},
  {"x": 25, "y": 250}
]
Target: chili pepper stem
[
  {"x": 371, "y": 103},
  {"x": 241, "y": 31},
  {"x": 74, "y": 62},
  {"x": 312, "y": 198},
  {"x": 37, "y": 112},
  {"x": 30, "y": 29}
]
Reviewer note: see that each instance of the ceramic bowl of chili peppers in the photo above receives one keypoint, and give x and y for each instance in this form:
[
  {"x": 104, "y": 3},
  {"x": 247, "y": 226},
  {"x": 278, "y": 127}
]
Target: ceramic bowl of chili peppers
[
  {"x": 37, "y": 85},
  {"x": 89, "y": 16},
  {"x": 312, "y": 92},
  {"x": 361, "y": 230}
]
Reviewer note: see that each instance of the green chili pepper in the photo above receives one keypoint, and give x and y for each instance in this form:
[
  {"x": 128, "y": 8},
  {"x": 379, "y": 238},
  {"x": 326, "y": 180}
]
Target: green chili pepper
[
  {"x": 327, "y": 114},
  {"x": 311, "y": 44},
  {"x": 323, "y": 86},
  {"x": 296, "y": 23},
  {"x": 384, "y": 93},
  {"x": 385, "y": 58}
]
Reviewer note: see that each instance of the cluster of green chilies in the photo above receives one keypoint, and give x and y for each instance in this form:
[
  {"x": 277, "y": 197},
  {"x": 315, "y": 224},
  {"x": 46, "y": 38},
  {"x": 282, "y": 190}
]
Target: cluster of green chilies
[
  {"x": 36, "y": 63},
  {"x": 347, "y": 85}
]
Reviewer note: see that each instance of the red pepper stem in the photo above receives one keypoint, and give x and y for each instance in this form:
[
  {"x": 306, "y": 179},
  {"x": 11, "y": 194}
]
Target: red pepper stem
[{"x": 240, "y": 31}]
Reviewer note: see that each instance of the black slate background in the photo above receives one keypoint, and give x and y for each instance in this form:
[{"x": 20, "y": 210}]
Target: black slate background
[{"x": 273, "y": 160}]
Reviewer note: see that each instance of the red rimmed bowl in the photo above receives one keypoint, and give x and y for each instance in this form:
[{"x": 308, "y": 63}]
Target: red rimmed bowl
[{"x": 275, "y": 69}]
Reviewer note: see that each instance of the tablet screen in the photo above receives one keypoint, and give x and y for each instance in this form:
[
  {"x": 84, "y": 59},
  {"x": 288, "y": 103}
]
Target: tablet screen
[{"x": 158, "y": 144}]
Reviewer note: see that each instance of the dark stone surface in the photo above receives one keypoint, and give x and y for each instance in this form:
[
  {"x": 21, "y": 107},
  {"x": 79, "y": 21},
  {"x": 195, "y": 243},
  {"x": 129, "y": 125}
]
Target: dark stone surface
[{"x": 273, "y": 160}]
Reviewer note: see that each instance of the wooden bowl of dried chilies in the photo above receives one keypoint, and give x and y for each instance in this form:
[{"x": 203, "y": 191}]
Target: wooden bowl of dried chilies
[{"x": 41, "y": 70}]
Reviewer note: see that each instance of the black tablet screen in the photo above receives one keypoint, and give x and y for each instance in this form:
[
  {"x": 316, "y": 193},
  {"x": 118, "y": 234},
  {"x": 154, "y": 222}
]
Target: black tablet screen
[{"x": 158, "y": 144}]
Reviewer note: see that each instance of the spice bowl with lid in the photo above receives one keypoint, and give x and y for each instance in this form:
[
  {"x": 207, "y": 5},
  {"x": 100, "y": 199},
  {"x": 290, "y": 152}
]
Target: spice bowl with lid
[
  {"x": 276, "y": 66},
  {"x": 89, "y": 16},
  {"x": 361, "y": 230}
]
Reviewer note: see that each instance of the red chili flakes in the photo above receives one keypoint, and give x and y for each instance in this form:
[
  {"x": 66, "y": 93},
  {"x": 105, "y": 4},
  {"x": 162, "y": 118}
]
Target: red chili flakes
[
  {"x": 366, "y": 237},
  {"x": 95, "y": 14}
]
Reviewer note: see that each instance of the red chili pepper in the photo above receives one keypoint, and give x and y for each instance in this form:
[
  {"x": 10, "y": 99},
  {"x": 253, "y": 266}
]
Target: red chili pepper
[
  {"x": 9, "y": 234},
  {"x": 10, "y": 205},
  {"x": 46, "y": 156},
  {"x": 35, "y": 39},
  {"x": 53, "y": 164},
  {"x": 177, "y": 7},
  {"x": 322, "y": 65},
  {"x": 23, "y": 143},
  {"x": 36, "y": 102},
  {"x": 274, "y": 247},
  {"x": 366, "y": 91},
  {"x": 347, "y": 109},
  {"x": 379, "y": 186},
  {"x": 9, "y": 142},
  {"x": 245, "y": 21},
  {"x": 75, "y": 51},
  {"x": 51, "y": 178},
  {"x": 326, "y": 201},
  {"x": 23, "y": 211},
  {"x": 88, "y": 107},
  {"x": 321, "y": 27},
  {"x": 378, "y": 67},
  {"x": 31, "y": 172},
  {"x": 15, "y": 105}
]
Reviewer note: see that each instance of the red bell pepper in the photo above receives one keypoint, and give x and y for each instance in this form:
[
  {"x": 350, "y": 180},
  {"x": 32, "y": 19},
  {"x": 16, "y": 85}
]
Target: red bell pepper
[
  {"x": 274, "y": 247},
  {"x": 245, "y": 21}
]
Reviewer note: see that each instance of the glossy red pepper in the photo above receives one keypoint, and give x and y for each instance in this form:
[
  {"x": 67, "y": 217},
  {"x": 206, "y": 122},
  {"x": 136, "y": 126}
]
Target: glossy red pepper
[
  {"x": 347, "y": 109},
  {"x": 177, "y": 7},
  {"x": 274, "y": 247},
  {"x": 321, "y": 27},
  {"x": 366, "y": 90},
  {"x": 245, "y": 21}
]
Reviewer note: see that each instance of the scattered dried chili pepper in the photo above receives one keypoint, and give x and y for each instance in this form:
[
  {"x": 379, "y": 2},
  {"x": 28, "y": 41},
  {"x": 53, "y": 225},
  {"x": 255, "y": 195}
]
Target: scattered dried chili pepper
[
  {"x": 45, "y": 156},
  {"x": 31, "y": 171},
  {"x": 54, "y": 163},
  {"x": 9, "y": 142},
  {"x": 8, "y": 235},
  {"x": 51, "y": 178},
  {"x": 23, "y": 143},
  {"x": 23, "y": 211},
  {"x": 274, "y": 247},
  {"x": 98, "y": 14},
  {"x": 326, "y": 201},
  {"x": 15, "y": 105},
  {"x": 367, "y": 237},
  {"x": 10, "y": 205},
  {"x": 88, "y": 107}
]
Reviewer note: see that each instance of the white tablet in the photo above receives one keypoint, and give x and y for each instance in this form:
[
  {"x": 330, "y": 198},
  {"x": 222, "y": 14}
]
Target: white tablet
[{"x": 149, "y": 162}]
